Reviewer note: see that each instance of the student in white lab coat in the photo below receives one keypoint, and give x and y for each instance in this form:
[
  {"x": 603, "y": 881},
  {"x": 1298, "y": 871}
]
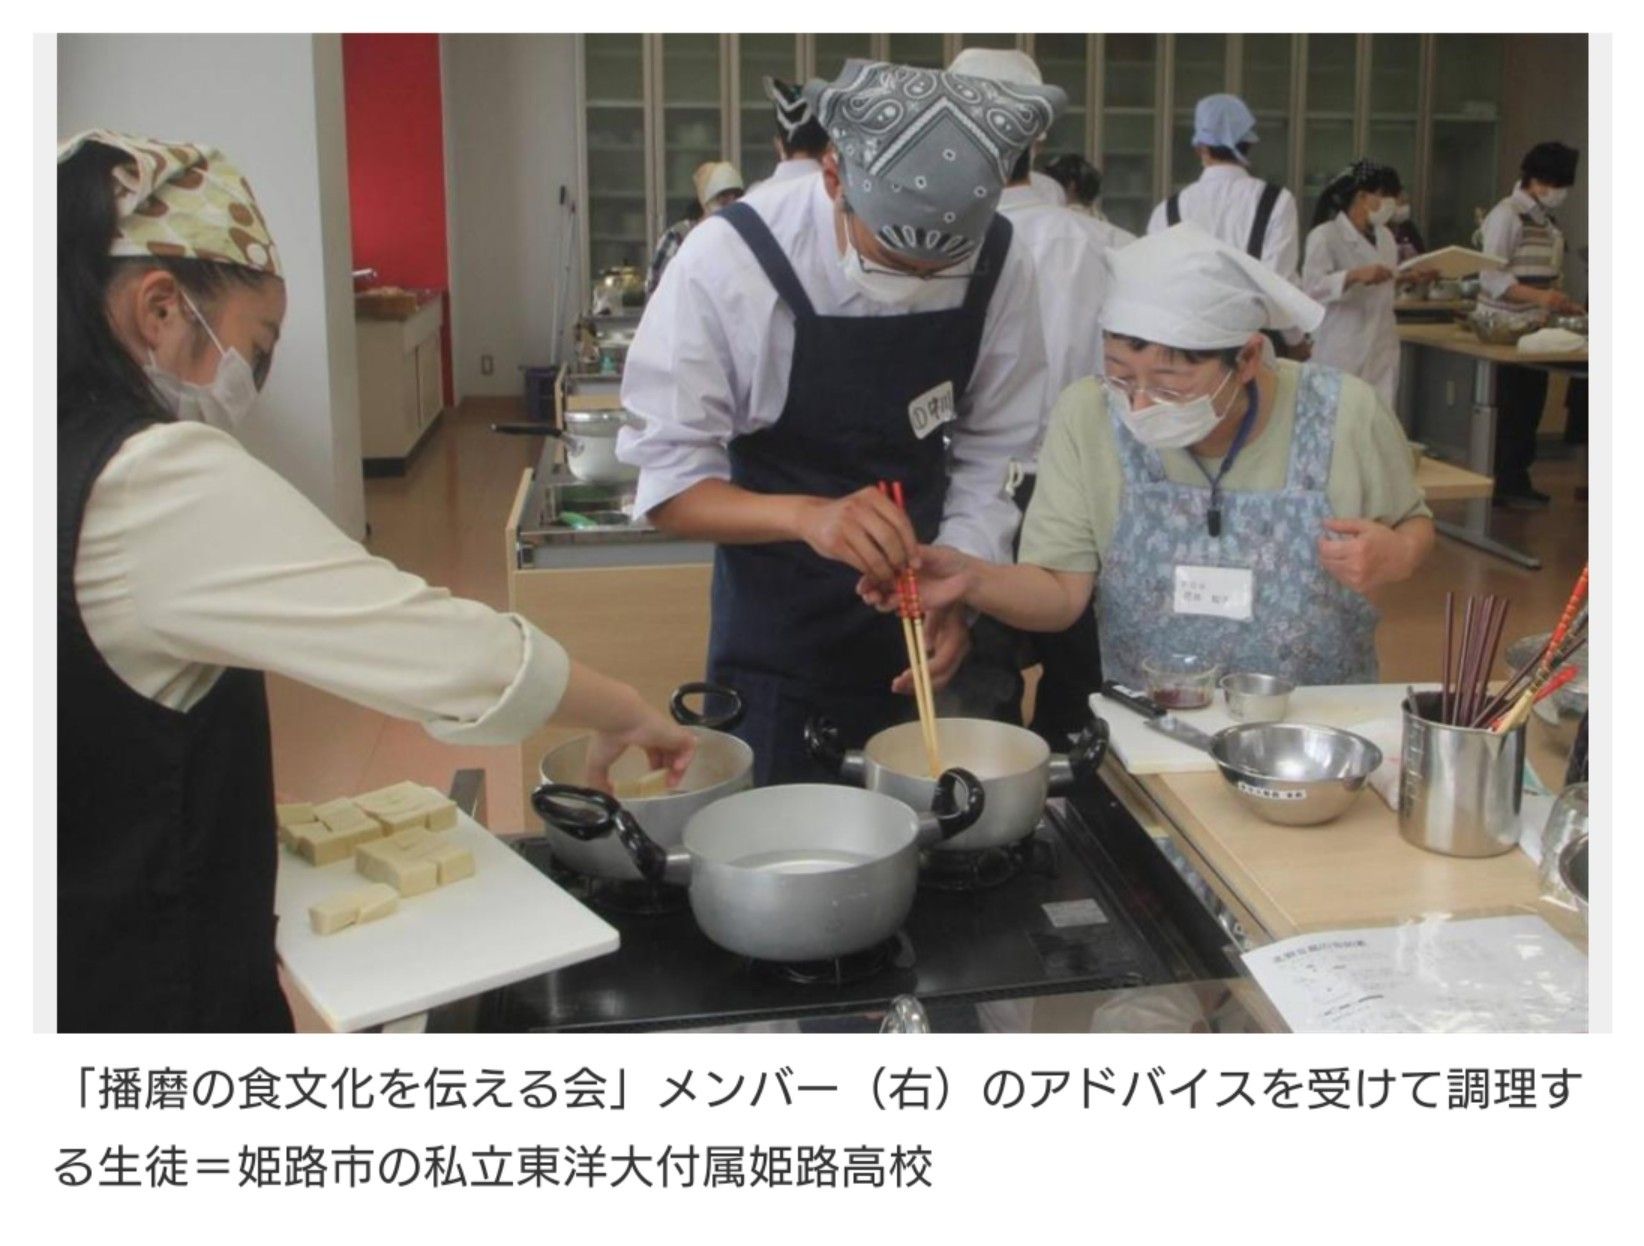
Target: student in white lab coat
[
  {"x": 1351, "y": 266},
  {"x": 185, "y": 569},
  {"x": 1081, "y": 182}
]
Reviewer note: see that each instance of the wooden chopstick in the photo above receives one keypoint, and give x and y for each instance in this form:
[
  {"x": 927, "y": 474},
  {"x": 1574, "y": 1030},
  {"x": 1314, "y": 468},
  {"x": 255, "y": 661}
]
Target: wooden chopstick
[{"x": 913, "y": 634}]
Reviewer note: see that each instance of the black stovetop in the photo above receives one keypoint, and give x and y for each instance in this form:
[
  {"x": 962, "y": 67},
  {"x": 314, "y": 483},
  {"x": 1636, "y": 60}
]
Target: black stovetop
[{"x": 1095, "y": 907}]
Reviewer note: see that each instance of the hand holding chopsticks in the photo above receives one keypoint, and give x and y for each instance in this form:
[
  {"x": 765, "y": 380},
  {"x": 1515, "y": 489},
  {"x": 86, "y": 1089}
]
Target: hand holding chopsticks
[{"x": 913, "y": 633}]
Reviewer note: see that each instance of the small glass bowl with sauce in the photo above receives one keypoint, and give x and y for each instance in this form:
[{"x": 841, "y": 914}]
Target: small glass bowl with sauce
[{"x": 1181, "y": 681}]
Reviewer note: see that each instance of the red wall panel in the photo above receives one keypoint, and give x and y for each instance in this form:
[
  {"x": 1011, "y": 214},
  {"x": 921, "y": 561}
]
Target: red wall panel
[{"x": 396, "y": 164}]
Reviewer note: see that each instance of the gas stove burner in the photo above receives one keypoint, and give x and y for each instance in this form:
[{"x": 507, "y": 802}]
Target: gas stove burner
[
  {"x": 895, "y": 952},
  {"x": 985, "y": 868},
  {"x": 627, "y": 897}
]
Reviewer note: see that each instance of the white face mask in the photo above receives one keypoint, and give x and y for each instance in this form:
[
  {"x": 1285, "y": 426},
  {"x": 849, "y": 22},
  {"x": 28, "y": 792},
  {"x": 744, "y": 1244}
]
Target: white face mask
[
  {"x": 893, "y": 289},
  {"x": 223, "y": 404},
  {"x": 1401, "y": 213},
  {"x": 1171, "y": 425},
  {"x": 1553, "y": 198},
  {"x": 1383, "y": 211}
]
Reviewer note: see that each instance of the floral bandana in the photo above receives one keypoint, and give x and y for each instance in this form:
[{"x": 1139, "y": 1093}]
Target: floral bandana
[{"x": 181, "y": 201}]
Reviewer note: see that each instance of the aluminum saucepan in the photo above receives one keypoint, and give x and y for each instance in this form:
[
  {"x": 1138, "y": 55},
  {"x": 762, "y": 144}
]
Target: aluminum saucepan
[
  {"x": 723, "y": 766},
  {"x": 799, "y": 872},
  {"x": 1293, "y": 774},
  {"x": 1016, "y": 768},
  {"x": 590, "y": 439}
]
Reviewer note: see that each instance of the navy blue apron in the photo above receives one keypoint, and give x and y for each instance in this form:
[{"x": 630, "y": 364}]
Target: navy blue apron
[
  {"x": 789, "y": 631},
  {"x": 166, "y": 850}
]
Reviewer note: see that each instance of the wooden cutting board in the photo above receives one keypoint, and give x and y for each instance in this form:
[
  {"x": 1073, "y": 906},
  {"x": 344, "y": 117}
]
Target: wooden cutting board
[
  {"x": 506, "y": 923},
  {"x": 1144, "y": 751}
]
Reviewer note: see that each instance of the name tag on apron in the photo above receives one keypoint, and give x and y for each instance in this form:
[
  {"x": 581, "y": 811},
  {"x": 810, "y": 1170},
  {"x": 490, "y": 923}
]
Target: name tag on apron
[
  {"x": 1222, "y": 592},
  {"x": 931, "y": 410}
]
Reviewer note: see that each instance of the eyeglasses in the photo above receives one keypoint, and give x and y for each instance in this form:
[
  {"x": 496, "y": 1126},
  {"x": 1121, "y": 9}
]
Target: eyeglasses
[
  {"x": 960, "y": 271},
  {"x": 1130, "y": 391}
]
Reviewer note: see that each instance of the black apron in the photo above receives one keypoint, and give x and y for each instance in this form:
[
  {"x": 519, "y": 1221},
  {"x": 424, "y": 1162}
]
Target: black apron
[
  {"x": 165, "y": 820},
  {"x": 789, "y": 631}
]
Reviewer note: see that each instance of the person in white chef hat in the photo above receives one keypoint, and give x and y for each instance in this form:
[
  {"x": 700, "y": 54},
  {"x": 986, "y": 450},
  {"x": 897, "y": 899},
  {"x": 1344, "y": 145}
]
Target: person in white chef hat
[{"x": 1225, "y": 504}]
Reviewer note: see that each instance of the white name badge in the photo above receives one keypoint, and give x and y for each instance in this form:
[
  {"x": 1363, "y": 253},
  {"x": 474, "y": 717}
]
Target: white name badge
[
  {"x": 1223, "y": 592},
  {"x": 931, "y": 410}
]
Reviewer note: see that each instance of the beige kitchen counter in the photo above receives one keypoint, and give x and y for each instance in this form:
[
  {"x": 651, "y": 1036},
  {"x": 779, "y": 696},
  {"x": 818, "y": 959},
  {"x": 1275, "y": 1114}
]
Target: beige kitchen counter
[
  {"x": 1462, "y": 341},
  {"x": 1280, "y": 881}
]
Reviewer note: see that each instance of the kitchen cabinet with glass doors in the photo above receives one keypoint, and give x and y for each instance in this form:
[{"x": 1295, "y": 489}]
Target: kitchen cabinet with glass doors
[{"x": 653, "y": 107}]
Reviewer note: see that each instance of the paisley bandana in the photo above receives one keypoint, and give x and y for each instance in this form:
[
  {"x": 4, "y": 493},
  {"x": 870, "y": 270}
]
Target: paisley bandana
[
  {"x": 181, "y": 201},
  {"x": 923, "y": 154}
]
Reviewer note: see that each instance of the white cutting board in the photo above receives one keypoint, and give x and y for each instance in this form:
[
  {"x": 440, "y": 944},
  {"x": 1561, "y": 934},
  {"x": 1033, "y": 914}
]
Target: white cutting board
[
  {"x": 1143, "y": 750},
  {"x": 506, "y": 923}
]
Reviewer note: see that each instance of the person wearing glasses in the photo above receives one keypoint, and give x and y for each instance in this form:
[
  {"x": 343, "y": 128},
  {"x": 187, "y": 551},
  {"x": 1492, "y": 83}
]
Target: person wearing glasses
[
  {"x": 1214, "y": 500},
  {"x": 824, "y": 334}
]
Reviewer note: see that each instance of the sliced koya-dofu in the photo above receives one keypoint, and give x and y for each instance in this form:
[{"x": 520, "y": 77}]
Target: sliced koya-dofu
[
  {"x": 414, "y": 861},
  {"x": 353, "y": 907},
  {"x": 405, "y": 806}
]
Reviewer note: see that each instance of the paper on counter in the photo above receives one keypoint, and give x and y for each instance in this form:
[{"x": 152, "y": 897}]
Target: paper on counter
[{"x": 1483, "y": 975}]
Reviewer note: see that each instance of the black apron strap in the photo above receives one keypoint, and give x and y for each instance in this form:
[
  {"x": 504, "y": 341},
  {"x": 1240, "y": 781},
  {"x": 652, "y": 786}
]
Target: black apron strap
[
  {"x": 768, "y": 252},
  {"x": 1173, "y": 209},
  {"x": 979, "y": 293},
  {"x": 1264, "y": 213}
]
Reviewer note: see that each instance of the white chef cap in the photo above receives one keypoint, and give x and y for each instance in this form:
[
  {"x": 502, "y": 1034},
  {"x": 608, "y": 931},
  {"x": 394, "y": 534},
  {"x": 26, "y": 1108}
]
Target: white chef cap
[
  {"x": 1000, "y": 64},
  {"x": 715, "y": 178},
  {"x": 1183, "y": 288}
]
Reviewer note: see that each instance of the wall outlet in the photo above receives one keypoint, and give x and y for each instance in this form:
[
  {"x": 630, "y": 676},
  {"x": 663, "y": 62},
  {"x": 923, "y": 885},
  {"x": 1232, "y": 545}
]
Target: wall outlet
[
  {"x": 488, "y": 365},
  {"x": 1449, "y": 393}
]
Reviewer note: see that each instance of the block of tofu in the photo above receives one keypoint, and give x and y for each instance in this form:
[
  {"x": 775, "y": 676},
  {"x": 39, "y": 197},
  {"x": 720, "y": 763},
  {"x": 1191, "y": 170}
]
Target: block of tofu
[
  {"x": 452, "y": 862},
  {"x": 347, "y": 817},
  {"x": 394, "y": 798},
  {"x": 294, "y": 814},
  {"x": 354, "y": 906},
  {"x": 655, "y": 783},
  {"x": 394, "y": 860},
  {"x": 442, "y": 811},
  {"x": 318, "y": 844}
]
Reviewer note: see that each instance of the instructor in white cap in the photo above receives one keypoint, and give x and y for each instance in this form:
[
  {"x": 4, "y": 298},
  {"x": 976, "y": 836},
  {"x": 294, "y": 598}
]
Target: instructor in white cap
[
  {"x": 1217, "y": 502},
  {"x": 1230, "y": 203}
]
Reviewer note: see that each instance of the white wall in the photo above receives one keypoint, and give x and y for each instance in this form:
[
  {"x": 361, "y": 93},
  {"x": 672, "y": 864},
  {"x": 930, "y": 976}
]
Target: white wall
[
  {"x": 510, "y": 125},
  {"x": 274, "y": 105}
]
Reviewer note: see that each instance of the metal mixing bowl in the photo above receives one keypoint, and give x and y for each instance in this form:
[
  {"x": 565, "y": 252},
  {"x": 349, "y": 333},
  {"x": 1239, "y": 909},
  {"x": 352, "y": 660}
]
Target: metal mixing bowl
[
  {"x": 1496, "y": 331},
  {"x": 1257, "y": 698},
  {"x": 1294, "y": 774}
]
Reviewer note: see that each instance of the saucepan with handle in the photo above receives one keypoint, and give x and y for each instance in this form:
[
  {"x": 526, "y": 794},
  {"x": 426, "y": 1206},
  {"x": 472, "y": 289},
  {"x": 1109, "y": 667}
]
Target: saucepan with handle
[
  {"x": 722, "y": 766},
  {"x": 796, "y": 872}
]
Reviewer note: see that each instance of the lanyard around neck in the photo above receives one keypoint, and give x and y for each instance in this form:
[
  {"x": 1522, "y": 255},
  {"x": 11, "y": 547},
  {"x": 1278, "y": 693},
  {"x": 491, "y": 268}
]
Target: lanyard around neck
[{"x": 1213, "y": 516}]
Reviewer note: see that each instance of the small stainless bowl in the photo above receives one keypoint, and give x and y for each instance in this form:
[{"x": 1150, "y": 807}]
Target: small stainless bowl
[
  {"x": 1257, "y": 698},
  {"x": 1294, "y": 774}
]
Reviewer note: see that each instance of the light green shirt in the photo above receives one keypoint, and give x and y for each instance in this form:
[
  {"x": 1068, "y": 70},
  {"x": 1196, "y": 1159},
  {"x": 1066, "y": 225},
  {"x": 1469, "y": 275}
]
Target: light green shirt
[{"x": 1075, "y": 507}]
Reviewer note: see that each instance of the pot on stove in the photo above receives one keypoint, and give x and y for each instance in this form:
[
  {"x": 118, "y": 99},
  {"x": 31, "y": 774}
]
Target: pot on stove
[
  {"x": 796, "y": 872},
  {"x": 1017, "y": 770},
  {"x": 722, "y": 766}
]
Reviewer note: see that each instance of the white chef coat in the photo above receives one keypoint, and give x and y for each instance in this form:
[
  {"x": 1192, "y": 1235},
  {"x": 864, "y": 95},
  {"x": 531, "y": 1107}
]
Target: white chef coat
[
  {"x": 714, "y": 349},
  {"x": 1502, "y": 231},
  {"x": 1071, "y": 277},
  {"x": 786, "y": 170},
  {"x": 1111, "y": 236},
  {"x": 1047, "y": 188},
  {"x": 194, "y": 557},
  {"x": 1223, "y": 203},
  {"x": 1359, "y": 333}
]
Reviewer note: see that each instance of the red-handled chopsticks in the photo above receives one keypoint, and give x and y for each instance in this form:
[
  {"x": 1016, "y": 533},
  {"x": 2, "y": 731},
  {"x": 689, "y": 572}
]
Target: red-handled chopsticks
[{"x": 913, "y": 632}]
